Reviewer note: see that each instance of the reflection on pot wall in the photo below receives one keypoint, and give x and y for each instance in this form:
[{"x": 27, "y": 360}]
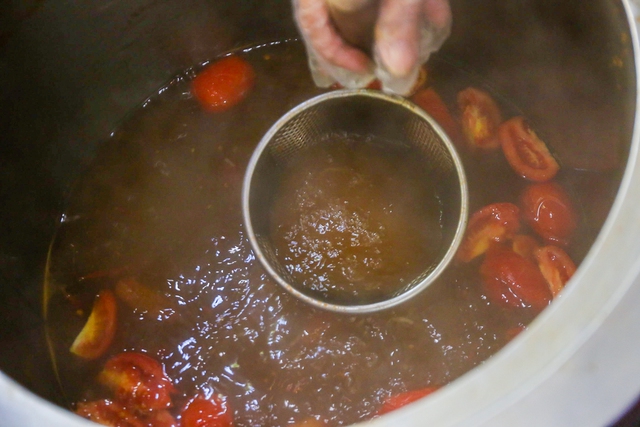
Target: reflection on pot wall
[{"x": 69, "y": 72}]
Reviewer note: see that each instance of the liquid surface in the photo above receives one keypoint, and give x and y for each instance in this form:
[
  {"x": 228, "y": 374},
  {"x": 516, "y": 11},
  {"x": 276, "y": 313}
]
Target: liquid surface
[{"x": 160, "y": 207}]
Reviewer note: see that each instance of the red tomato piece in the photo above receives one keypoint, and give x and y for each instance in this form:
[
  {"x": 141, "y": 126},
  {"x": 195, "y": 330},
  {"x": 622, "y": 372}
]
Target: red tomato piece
[
  {"x": 146, "y": 301},
  {"x": 556, "y": 267},
  {"x": 493, "y": 223},
  {"x": 528, "y": 156},
  {"x": 137, "y": 381},
  {"x": 223, "y": 84},
  {"x": 108, "y": 413},
  {"x": 525, "y": 246},
  {"x": 480, "y": 117},
  {"x": 399, "y": 400},
  {"x": 512, "y": 280},
  {"x": 97, "y": 334},
  {"x": 203, "y": 412},
  {"x": 430, "y": 101},
  {"x": 548, "y": 210}
]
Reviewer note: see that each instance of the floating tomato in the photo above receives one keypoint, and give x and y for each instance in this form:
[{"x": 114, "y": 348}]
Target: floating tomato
[
  {"x": 98, "y": 332},
  {"x": 430, "y": 101},
  {"x": 548, "y": 210},
  {"x": 147, "y": 302},
  {"x": 202, "y": 412},
  {"x": 223, "y": 84},
  {"x": 556, "y": 267},
  {"x": 108, "y": 413},
  {"x": 480, "y": 118},
  {"x": 399, "y": 400},
  {"x": 525, "y": 246},
  {"x": 528, "y": 156},
  {"x": 512, "y": 280},
  {"x": 138, "y": 381},
  {"x": 493, "y": 223}
]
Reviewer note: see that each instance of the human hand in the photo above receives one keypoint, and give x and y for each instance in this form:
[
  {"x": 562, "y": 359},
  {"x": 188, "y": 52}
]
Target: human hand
[{"x": 405, "y": 33}]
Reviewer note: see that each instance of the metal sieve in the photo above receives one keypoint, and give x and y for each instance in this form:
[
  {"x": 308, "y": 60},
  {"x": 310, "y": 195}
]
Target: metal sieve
[{"x": 362, "y": 112}]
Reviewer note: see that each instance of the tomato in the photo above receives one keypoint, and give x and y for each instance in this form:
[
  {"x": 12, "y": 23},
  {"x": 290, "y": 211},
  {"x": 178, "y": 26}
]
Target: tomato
[
  {"x": 97, "y": 334},
  {"x": 146, "y": 301},
  {"x": 525, "y": 246},
  {"x": 138, "y": 381},
  {"x": 202, "y": 412},
  {"x": 528, "y": 156},
  {"x": 548, "y": 210},
  {"x": 556, "y": 267},
  {"x": 402, "y": 399},
  {"x": 223, "y": 84},
  {"x": 107, "y": 413},
  {"x": 480, "y": 117},
  {"x": 430, "y": 101},
  {"x": 493, "y": 223},
  {"x": 512, "y": 280}
]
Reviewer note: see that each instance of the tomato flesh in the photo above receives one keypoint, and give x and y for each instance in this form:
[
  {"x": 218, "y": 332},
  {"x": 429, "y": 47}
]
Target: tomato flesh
[
  {"x": 480, "y": 118},
  {"x": 97, "y": 334},
  {"x": 528, "y": 156},
  {"x": 556, "y": 267},
  {"x": 108, "y": 413},
  {"x": 493, "y": 223},
  {"x": 402, "y": 399},
  {"x": 430, "y": 101},
  {"x": 525, "y": 246},
  {"x": 513, "y": 281},
  {"x": 202, "y": 412},
  {"x": 548, "y": 210},
  {"x": 223, "y": 84},
  {"x": 138, "y": 381}
]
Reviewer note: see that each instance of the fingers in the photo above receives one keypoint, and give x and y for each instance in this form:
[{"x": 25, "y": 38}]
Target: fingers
[
  {"x": 397, "y": 35},
  {"x": 315, "y": 24},
  {"x": 438, "y": 12}
]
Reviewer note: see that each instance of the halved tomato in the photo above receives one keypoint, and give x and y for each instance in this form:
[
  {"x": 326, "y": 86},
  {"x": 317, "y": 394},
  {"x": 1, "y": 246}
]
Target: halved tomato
[
  {"x": 528, "y": 156},
  {"x": 493, "y": 223},
  {"x": 108, "y": 413},
  {"x": 556, "y": 267},
  {"x": 223, "y": 84},
  {"x": 98, "y": 332},
  {"x": 138, "y": 381},
  {"x": 203, "y": 412},
  {"x": 430, "y": 101},
  {"x": 480, "y": 118},
  {"x": 548, "y": 210},
  {"x": 399, "y": 400},
  {"x": 512, "y": 280},
  {"x": 147, "y": 302},
  {"x": 525, "y": 246}
]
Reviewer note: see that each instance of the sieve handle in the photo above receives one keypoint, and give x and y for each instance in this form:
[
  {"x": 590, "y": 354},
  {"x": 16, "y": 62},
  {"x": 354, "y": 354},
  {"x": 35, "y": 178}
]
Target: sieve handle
[{"x": 355, "y": 20}]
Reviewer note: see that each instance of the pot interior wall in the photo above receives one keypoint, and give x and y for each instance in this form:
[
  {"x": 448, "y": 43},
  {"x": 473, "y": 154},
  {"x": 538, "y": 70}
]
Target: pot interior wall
[{"x": 70, "y": 71}]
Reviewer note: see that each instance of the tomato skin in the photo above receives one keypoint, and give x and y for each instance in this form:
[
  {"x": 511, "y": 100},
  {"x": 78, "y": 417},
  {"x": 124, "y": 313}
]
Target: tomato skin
[
  {"x": 480, "y": 118},
  {"x": 399, "y": 400},
  {"x": 528, "y": 156},
  {"x": 548, "y": 210},
  {"x": 556, "y": 266},
  {"x": 223, "y": 84},
  {"x": 137, "y": 381},
  {"x": 512, "y": 280},
  {"x": 97, "y": 334},
  {"x": 108, "y": 413},
  {"x": 202, "y": 412},
  {"x": 429, "y": 100},
  {"x": 493, "y": 223}
]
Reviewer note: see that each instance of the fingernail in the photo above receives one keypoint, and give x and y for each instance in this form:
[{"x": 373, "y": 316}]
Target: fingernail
[{"x": 397, "y": 57}]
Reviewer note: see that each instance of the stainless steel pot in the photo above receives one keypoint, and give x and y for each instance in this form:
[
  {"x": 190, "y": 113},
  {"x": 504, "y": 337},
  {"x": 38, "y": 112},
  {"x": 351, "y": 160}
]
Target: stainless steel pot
[{"x": 69, "y": 71}]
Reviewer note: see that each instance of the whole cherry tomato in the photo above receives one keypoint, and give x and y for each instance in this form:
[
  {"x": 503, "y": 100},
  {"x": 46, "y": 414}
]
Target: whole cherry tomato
[
  {"x": 108, "y": 413},
  {"x": 548, "y": 210},
  {"x": 512, "y": 280},
  {"x": 399, "y": 400},
  {"x": 556, "y": 267},
  {"x": 223, "y": 84},
  {"x": 493, "y": 223},
  {"x": 98, "y": 332},
  {"x": 430, "y": 101},
  {"x": 138, "y": 381},
  {"x": 528, "y": 156},
  {"x": 203, "y": 412},
  {"x": 480, "y": 118}
]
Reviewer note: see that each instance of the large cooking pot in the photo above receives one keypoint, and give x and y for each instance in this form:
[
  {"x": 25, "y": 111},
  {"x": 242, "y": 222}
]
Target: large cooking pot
[{"x": 70, "y": 71}]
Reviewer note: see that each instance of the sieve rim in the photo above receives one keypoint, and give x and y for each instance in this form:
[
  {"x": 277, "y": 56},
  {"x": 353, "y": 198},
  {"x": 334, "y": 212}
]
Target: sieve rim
[{"x": 395, "y": 299}]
